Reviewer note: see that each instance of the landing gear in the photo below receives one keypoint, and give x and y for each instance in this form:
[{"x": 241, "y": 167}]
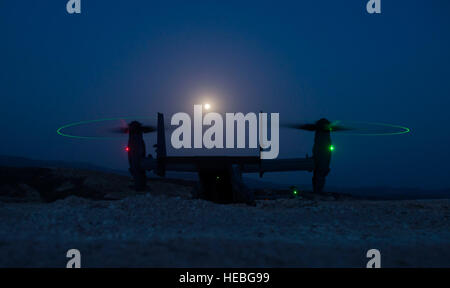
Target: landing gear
[
  {"x": 140, "y": 180},
  {"x": 318, "y": 180},
  {"x": 224, "y": 186},
  {"x": 215, "y": 186}
]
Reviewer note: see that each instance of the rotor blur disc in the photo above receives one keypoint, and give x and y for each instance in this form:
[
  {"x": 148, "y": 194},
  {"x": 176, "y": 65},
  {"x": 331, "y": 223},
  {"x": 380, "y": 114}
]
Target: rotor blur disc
[
  {"x": 371, "y": 128},
  {"x": 96, "y": 129}
]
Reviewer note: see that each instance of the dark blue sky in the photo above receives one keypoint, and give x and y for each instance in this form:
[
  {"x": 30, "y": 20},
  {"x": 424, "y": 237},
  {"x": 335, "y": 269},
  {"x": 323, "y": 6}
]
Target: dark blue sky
[{"x": 304, "y": 60}]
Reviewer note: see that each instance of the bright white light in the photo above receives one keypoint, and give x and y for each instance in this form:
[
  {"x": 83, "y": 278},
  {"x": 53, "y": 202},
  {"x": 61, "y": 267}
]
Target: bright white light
[{"x": 207, "y": 106}]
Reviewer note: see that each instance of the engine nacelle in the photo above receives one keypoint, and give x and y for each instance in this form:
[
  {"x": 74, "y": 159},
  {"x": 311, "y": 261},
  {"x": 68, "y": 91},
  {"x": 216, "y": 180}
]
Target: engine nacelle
[
  {"x": 136, "y": 152},
  {"x": 322, "y": 154}
]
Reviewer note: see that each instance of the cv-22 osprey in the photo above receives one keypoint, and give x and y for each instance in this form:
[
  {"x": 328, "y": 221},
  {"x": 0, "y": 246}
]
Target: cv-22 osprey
[{"x": 220, "y": 177}]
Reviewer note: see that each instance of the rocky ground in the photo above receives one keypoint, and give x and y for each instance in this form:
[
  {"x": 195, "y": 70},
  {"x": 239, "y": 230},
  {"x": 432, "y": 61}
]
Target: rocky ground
[{"x": 45, "y": 212}]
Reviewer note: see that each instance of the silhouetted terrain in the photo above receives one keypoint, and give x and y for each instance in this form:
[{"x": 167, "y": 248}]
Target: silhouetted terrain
[
  {"x": 15, "y": 161},
  {"x": 378, "y": 193},
  {"x": 46, "y": 211}
]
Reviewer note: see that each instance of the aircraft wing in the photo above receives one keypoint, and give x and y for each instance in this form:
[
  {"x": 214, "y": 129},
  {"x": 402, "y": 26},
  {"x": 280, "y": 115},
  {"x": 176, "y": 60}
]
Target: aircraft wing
[
  {"x": 248, "y": 164},
  {"x": 280, "y": 165}
]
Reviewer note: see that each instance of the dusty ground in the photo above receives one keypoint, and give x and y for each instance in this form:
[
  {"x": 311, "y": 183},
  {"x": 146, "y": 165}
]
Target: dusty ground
[{"x": 165, "y": 227}]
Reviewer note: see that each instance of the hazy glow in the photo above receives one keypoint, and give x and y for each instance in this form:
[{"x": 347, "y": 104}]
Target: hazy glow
[{"x": 207, "y": 106}]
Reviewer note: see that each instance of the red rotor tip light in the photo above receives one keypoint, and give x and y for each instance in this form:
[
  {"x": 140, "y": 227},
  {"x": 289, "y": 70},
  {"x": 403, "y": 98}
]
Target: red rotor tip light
[{"x": 127, "y": 149}]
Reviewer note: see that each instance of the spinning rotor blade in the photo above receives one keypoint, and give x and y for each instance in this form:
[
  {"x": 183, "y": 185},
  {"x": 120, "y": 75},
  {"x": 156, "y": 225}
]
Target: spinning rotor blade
[
  {"x": 325, "y": 126},
  {"x": 148, "y": 129},
  {"x": 337, "y": 128},
  {"x": 119, "y": 130},
  {"x": 353, "y": 128},
  {"x": 133, "y": 125}
]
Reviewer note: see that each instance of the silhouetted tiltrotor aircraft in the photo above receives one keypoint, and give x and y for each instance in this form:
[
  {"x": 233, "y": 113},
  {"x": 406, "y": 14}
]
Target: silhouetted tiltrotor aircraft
[{"x": 221, "y": 176}]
